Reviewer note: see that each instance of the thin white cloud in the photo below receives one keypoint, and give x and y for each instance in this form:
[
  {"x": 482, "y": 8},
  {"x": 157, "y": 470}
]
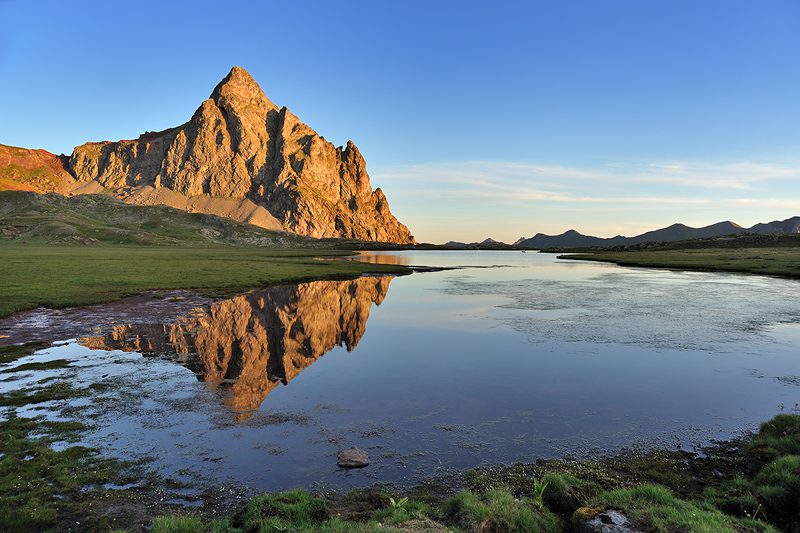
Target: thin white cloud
[
  {"x": 624, "y": 197},
  {"x": 744, "y": 175}
]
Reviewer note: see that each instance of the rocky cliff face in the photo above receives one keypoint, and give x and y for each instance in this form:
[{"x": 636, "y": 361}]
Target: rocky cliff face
[
  {"x": 241, "y": 146},
  {"x": 258, "y": 340}
]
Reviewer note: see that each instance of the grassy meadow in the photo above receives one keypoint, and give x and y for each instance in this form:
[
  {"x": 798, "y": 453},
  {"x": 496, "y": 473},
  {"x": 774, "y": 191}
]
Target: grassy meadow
[
  {"x": 67, "y": 275},
  {"x": 771, "y": 261},
  {"x": 58, "y": 251}
]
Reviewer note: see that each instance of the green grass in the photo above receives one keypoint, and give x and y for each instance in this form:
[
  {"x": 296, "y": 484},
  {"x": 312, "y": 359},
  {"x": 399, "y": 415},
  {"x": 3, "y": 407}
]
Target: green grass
[
  {"x": 777, "y": 437},
  {"x": 778, "y": 487},
  {"x": 41, "y": 487},
  {"x": 103, "y": 219},
  {"x": 9, "y": 354},
  {"x": 290, "y": 511},
  {"x": 46, "y": 365},
  {"x": 59, "y": 390},
  {"x": 655, "y": 508},
  {"x": 60, "y": 276},
  {"x": 499, "y": 510},
  {"x": 776, "y": 261},
  {"x": 95, "y": 218}
]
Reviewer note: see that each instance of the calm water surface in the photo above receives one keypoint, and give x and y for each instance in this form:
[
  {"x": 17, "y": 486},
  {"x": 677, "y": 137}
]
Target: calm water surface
[{"x": 513, "y": 357}]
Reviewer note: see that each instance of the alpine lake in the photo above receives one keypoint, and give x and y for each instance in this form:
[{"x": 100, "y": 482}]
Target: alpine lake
[{"x": 497, "y": 357}]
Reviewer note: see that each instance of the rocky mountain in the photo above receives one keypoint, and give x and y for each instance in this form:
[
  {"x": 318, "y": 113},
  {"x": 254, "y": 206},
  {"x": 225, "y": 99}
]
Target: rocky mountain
[
  {"x": 675, "y": 232},
  {"x": 34, "y": 170},
  {"x": 242, "y": 157},
  {"x": 255, "y": 342},
  {"x": 790, "y": 225}
]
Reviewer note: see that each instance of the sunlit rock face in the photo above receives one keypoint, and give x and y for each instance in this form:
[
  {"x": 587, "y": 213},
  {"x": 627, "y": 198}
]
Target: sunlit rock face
[
  {"x": 240, "y": 146},
  {"x": 255, "y": 341}
]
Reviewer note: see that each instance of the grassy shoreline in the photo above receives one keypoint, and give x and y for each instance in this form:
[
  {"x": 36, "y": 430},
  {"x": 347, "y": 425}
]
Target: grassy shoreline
[
  {"x": 751, "y": 484},
  {"x": 777, "y": 261},
  {"x": 59, "y": 276}
]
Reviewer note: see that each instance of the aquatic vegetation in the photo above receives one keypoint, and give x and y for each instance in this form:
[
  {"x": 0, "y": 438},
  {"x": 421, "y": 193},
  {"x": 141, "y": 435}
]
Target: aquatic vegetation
[
  {"x": 58, "y": 390},
  {"x": 39, "y": 486},
  {"x": 55, "y": 364},
  {"x": 9, "y": 354}
]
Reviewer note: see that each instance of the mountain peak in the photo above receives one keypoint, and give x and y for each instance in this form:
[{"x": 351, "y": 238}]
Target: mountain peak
[
  {"x": 239, "y": 149},
  {"x": 239, "y": 86}
]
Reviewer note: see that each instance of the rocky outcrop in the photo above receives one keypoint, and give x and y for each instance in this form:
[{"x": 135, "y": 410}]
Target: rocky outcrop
[
  {"x": 33, "y": 170},
  {"x": 256, "y": 341},
  {"x": 241, "y": 146}
]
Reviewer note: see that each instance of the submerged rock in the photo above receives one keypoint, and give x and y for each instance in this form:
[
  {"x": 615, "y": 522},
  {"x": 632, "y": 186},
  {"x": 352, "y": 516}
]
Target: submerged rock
[
  {"x": 352, "y": 458},
  {"x": 600, "y": 520}
]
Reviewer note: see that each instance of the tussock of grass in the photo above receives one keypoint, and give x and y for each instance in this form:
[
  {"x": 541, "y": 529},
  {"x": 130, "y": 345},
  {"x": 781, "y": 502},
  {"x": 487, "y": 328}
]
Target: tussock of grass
[
  {"x": 735, "y": 497},
  {"x": 296, "y": 507},
  {"x": 191, "y": 524},
  {"x": 778, "y": 487},
  {"x": 565, "y": 492},
  {"x": 654, "y": 508},
  {"x": 777, "y": 437},
  {"x": 499, "y": 511}
]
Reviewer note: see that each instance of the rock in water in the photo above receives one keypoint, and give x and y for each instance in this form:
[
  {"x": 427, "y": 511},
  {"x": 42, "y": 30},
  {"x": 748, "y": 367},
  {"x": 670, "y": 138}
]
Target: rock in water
[
  {"x": 353, "y": 458},
  {"x": 241, "y": 146}
]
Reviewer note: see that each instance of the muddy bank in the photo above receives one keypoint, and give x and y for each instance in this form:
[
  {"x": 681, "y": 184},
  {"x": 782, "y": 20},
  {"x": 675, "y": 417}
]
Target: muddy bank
[{"x": 51, "y": 325}]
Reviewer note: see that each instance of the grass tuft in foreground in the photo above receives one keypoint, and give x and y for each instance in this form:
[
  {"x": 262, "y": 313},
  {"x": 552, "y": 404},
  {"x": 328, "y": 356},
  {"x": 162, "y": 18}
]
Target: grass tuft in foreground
[{"x": 498, "y": 510}]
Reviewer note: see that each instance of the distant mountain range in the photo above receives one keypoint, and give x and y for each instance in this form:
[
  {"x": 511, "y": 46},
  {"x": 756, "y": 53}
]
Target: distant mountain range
[
  {"x": 487, "y": 244},
  {"x": 675, "y": 232}
]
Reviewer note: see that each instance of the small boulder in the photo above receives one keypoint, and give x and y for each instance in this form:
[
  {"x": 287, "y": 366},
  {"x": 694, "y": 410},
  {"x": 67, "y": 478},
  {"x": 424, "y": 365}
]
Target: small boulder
[
  {"x": 352, "y": 458},
  {"x": 600, "y": 520}
]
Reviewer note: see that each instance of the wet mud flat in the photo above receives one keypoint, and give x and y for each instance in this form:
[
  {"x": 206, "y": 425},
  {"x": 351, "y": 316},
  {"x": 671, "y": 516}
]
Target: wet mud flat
[{"x": 50, "y": 325}]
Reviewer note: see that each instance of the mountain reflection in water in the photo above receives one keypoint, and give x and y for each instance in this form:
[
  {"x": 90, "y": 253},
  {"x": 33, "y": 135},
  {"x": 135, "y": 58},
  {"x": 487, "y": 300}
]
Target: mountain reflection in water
[{"x": 255, "y": 341}]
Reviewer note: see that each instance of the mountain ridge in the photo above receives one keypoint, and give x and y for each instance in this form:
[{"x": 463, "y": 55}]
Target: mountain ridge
[
  {"x": 675, "y": 232},
  {"x": 242, "y": 157}
]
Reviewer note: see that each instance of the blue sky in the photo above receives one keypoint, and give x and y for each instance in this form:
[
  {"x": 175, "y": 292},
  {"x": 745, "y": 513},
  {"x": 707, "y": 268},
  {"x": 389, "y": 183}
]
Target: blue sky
[{"x": 477, "y": 119}]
